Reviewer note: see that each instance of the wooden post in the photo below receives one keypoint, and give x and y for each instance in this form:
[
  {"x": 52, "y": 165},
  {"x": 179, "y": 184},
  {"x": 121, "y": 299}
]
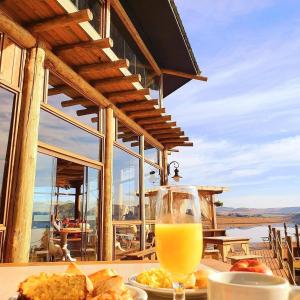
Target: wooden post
[
  {"x": 142, "y": 194},
  {"x": 108, "y": 181},
  {"x": 297, "y": 239},
  {"x": 164, "y": 178},
  {"x": 213, "y": 212},
  {"x": 285, "y": 230},
  {"x": 20, "y": 221},
  {"x": 270, "y": 237},
  {"x": 290, "y": 260},
  {"x": 274, "y": 242},
  {"x": 280, "y": 249}
]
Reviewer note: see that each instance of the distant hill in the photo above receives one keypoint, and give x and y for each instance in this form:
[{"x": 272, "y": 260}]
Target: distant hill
[{"x": 279, "y": 211}]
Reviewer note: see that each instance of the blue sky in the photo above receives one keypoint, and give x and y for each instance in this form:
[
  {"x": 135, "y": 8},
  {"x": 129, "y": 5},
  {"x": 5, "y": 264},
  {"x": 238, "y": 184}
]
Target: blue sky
[{"x": 245, "y": 121}]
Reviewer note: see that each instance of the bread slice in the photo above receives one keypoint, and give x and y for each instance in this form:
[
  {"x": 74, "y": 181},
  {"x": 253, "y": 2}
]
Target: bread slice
[
  {"x": 101, "y": 275},
  {"x": 53, "y": 287},
  {"x": 74, "y": 269}
]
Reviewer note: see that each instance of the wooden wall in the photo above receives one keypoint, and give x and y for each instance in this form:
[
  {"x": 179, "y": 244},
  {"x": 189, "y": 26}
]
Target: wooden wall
[{"x": 11, "y": 73}]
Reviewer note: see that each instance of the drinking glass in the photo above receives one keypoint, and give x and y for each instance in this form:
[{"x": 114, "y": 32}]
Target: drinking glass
[{"x": 178, "y": 233}]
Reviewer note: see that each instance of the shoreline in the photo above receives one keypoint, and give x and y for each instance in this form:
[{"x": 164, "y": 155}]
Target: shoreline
[{"x": 229, "y": 221}]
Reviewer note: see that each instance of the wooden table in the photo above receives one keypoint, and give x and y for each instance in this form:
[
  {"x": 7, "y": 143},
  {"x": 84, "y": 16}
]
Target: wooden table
[
  {"x": 224, "y": 244},
  {"x": 12, "y": 274}
]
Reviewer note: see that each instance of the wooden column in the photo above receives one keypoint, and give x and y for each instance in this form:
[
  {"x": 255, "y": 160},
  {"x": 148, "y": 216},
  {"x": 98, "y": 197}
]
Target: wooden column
[
  {"x": 108, "y": 181},
  {"x": 20, "y": 221},
  {"x": 213, "y": 213},
  {"x": 142, "y": 194},
  {"x": 164, "y": 178}
]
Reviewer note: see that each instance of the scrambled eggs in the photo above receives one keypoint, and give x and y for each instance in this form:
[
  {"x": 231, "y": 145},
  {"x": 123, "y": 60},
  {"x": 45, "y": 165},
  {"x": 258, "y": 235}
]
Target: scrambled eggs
[{"x": 158, "y": 278}]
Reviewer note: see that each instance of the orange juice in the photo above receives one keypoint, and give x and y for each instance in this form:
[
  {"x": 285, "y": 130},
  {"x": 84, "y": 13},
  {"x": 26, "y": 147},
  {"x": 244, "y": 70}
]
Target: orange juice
[{"x": 179, "y": 246}]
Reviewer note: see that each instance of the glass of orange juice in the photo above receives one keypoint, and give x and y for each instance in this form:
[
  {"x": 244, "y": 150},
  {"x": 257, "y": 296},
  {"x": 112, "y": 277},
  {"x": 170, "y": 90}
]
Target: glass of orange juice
[{"x": 178, "y": 233}]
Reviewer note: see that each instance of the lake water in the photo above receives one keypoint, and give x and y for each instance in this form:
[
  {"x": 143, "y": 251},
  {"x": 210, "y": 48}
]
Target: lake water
[{"x": 256, "y": 233}]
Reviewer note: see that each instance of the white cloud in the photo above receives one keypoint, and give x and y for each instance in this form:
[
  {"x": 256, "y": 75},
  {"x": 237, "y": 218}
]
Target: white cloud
[{"x": 224, "y": 163}]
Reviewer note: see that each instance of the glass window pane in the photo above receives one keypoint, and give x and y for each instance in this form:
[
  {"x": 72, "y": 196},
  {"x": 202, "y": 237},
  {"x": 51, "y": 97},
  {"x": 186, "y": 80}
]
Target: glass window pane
[
  {"x": 57, "y": 132},
  {"x": 128, "y": 138},
  {"x": 55, "y": 99},
  {"x": 151, "y": 153},
  {"x": 44, "y": 194},
  {"x": 127, "y": 238},
  {"x": 151, "y": 181},
  {"x": 92, "y": 219},
  {"x": 126, "y": 204},
  {"x": 6, "y": 110}
]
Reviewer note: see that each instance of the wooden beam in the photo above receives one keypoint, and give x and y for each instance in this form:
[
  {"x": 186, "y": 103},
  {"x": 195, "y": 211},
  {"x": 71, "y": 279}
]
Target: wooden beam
[
  {"x": 88, "y": 111},
  {"x": 117, "y": 6},
  {"x": 153, "y": 120},
  {"x": 16, "y": 32},
  {"x": 183, "y": 75},
  {"x": 131, "y": 138},
  {"x": 61, "y": 21},
  {"x": 20, "y": 219},
  {"x": 59, "y": 89},
  {"x": 108, "y": 182},
  {"x": 160, "y": 125},
  {"x": 101, "y": 67},
  {"x": 170, "y": 134},
  {"x": 138, "y": 105},
  {"x": 173, "y": 139},
  {"x": 146, "y": 113},
  {"x": 166, "y": 131},
  {"x": 178, "y": 144},
  {"x": 77, "y": 101},
  {"x": 126, "y": 94},
  {"x": 94, "y": 44},
  {"x": 108, "y": 82}
]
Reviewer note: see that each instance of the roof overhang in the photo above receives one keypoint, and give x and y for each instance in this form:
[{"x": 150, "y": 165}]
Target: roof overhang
[{"x": 160, "y": 26}]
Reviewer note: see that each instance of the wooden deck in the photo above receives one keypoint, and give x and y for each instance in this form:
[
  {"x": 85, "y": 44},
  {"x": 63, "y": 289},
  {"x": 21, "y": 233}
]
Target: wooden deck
[{"x": 263, "y": 250}]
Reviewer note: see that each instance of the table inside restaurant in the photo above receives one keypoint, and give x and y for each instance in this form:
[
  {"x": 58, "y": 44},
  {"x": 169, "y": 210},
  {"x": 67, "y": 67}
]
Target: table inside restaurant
[{"x": 12, "y": 274}]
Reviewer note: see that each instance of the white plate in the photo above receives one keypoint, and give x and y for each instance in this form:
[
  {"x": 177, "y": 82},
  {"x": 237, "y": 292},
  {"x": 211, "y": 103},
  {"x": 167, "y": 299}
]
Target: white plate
[
  {"x": 168, "y": 293},
  {"x": 137, "y": 293}
]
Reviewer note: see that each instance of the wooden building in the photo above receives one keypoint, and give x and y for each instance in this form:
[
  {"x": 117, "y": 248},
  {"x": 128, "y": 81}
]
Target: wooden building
[{"x": 82, "y": 119}]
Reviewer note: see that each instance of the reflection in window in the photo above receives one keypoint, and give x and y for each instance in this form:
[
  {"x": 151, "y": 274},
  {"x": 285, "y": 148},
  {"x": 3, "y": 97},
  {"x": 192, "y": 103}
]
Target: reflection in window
[
  {"x": 151, "y": 181},
  {"x": 127, "y": 238},
  {"x": 66, "y": 196},
  {"x": 125, "y": 186},
  {"x": 44, "y": 195},
  {"x": 150, "y": 235},
  {"x": 57, "y": 98},
  {"x": 6, "y": 111},
  {"x": 151, "y": 153},
  {"x": 128, "y": 138},
  {"x": 57, "y": 132}
]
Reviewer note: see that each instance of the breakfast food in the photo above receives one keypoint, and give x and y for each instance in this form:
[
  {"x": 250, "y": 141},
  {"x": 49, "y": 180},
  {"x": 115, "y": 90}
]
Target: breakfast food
[
  {"x": 158, "y": 278},
  {"x": 251, "y": 265},
  {"x": 54, "y": 286},
  {"x": 75, "y": 285},
  {"x": 202, "y": 278}
]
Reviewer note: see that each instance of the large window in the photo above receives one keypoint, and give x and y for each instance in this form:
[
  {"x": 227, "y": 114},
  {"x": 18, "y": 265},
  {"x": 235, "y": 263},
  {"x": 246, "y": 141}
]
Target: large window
[
  {"x": 66, "y": 197},
  {"x": 56, "y": 131},
  {"x": 128, "y": 138},
  {"x": 7, "y": 100},
  {"x": 126, "y": 203}
]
